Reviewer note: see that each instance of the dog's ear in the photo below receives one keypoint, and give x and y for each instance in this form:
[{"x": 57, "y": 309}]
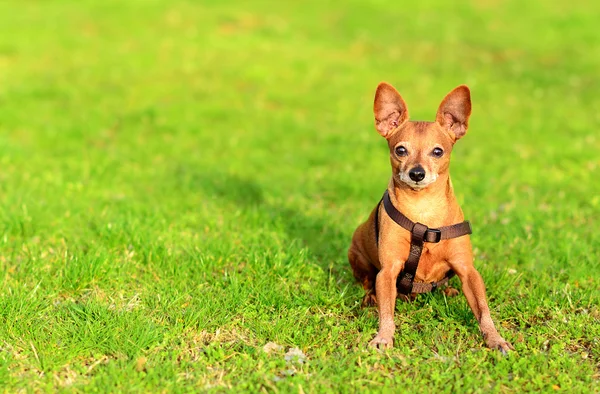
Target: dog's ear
[
  {"x": 389, "y": 109},
  {"x": 454, "y": 111}
]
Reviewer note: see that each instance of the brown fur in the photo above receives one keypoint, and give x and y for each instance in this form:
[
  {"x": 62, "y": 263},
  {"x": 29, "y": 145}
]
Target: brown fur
[{"x": 430, "y": 201}]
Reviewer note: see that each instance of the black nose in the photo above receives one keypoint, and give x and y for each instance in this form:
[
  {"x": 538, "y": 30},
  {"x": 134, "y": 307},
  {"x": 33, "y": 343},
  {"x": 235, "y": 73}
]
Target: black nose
[{"x": 417, "y": 174}]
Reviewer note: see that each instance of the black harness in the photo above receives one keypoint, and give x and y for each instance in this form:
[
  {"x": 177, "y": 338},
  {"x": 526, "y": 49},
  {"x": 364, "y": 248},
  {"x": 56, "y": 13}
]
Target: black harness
[{"x": 420, "y": 234}]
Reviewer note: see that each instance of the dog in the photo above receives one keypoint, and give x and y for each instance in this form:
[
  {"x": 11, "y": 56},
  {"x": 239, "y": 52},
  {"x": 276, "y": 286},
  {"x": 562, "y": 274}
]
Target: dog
[{"x": 419, "y": 200}]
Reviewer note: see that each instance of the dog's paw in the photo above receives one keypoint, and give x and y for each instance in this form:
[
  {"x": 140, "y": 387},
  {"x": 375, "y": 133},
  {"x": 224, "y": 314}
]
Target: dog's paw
[
  {"x": 450, "y": 292},
  {"x": 369, "y": 300},
  {"x": 380, "y": 342},
  {"x": 499, "y": 343}
]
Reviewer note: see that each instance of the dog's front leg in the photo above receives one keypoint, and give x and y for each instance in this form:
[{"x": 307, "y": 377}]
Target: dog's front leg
[
  {"x": 385, "y": 286},
  {"x": 474, "y": 290}
]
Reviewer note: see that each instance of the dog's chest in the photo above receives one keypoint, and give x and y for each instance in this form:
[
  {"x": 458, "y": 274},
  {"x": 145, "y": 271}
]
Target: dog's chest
[
  {"x": 426, "y": 212},
  {"x": 433, "y": 264}
]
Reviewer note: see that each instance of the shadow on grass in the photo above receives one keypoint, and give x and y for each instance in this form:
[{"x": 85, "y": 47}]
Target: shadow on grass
[{"x": 326, "y": 244}]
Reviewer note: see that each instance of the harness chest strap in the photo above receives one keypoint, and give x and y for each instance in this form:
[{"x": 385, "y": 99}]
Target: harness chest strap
[{"x": 420, "y": 234}]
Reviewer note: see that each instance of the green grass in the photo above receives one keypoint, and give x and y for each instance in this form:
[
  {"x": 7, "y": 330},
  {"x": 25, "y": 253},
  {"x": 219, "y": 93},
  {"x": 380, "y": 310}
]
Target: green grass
[{"x": 179, "y": 182}]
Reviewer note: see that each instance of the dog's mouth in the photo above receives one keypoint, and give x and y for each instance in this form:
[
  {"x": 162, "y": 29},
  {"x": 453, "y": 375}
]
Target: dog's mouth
[{"x": 420, "y": 185}]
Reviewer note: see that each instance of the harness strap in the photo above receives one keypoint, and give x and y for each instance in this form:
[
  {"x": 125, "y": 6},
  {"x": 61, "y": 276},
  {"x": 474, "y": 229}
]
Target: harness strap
[
  {"x": 422, "y": 287},
  {"x": 404, "y": 283},
  {"x": 432, "y": 235},
  {"x": 377, "y": 221},
  {"x": 420, "y": 234}
]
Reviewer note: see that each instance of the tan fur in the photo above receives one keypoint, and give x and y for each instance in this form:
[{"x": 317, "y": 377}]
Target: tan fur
[{"x": 433, "y": 204}]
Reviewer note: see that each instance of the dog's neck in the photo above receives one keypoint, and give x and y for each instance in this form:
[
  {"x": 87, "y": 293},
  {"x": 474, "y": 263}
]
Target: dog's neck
[{"x": 434, "y": 206}]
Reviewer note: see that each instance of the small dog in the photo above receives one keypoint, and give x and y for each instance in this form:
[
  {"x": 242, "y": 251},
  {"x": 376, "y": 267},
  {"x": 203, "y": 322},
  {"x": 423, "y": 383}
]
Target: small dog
[{"x": 390, "y": 244}]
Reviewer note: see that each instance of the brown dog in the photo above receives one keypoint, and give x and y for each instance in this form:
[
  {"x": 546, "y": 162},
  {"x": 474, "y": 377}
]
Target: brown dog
[{"x": 420, "y": 188}]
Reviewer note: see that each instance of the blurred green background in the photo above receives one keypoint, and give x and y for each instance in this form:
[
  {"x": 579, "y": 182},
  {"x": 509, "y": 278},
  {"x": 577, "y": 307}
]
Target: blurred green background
[{"x": 179, "y": 182}]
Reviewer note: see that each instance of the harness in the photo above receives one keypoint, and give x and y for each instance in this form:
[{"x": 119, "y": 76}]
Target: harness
[{"x": 420, "y": 234}]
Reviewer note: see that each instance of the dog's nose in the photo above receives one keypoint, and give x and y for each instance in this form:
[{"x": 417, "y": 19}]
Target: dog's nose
[{"x": 417, "y": 174}]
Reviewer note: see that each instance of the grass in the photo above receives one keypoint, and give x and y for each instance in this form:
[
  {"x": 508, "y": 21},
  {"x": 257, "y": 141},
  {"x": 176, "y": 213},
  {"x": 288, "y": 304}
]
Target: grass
[{"x": 180, "y": 181}]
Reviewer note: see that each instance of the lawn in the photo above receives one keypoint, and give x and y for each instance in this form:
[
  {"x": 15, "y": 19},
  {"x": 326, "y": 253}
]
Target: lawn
[{"x": 179, "y": 182}]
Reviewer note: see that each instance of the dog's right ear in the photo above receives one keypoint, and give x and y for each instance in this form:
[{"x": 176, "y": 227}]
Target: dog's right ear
[{"x": 389, "y": 109}]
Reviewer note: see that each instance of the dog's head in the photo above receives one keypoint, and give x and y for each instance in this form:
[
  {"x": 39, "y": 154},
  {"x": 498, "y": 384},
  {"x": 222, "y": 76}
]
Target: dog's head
[{"x": 420, "y": 151}]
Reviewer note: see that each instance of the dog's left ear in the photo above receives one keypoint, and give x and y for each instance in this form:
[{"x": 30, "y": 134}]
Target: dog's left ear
[{"x": 454, "y": 111}]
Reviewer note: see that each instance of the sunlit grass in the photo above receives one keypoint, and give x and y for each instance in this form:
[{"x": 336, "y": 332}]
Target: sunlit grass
[{"x": 180, "y": 181}]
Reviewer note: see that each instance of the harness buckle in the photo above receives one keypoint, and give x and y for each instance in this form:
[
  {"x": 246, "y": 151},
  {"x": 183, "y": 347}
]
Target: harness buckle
[{"x": 438, "y": 235}]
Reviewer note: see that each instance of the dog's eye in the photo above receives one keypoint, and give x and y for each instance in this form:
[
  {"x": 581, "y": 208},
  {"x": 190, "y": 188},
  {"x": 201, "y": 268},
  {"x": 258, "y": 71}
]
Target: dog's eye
[
  {"x": 437, "y": 152},
  {"x": 401, "y": 151}
]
